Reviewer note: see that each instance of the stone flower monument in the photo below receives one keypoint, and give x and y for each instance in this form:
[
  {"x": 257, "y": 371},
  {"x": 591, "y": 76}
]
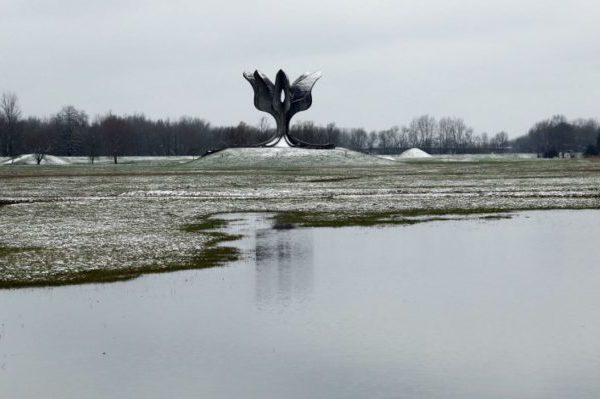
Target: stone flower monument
[{"x": 283, "y": 101}]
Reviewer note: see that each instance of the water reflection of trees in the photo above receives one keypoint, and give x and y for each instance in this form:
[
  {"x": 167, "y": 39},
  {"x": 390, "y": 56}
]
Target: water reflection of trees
[{"x": 284, "y": 266}]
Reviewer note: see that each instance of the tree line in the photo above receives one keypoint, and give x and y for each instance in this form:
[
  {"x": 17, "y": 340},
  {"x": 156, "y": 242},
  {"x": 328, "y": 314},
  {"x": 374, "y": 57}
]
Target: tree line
[
  {"x": 556, "y": 136},
  {"x": 70, "y": 132}
]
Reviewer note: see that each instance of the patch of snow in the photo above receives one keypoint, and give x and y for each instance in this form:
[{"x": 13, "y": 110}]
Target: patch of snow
[
  {"x": 150, "y": 159},
  {"x": 282, "y": 144},
  {"x": 279, "y": 142},
  {"x": 286, "y": 156},
  {"x": 414, "y": 153},
  {"x": 29, "y": 159}
]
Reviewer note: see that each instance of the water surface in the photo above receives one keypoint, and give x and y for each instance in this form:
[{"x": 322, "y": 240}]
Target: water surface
[{"x": 456, "y": 309}]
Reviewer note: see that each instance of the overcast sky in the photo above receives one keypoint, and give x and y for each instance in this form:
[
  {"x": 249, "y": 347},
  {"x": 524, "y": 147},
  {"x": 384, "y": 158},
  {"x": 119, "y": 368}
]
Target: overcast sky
[{"x": 501, "y": 65}]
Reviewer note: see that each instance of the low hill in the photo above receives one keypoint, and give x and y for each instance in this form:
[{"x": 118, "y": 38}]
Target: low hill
[
  {"x": 284, "y": 157},
  {"x": 29, "y": 159}
]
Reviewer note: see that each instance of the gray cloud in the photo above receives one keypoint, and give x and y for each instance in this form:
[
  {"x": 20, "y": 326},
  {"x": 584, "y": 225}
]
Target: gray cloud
[{"x": 501, "y": 65}]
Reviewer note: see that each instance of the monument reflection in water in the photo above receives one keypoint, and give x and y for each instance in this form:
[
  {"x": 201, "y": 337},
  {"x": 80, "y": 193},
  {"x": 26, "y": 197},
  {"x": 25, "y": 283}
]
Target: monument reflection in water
[
  {"x": 283, "y": 100},
  {"x": 284, "y": 266}
]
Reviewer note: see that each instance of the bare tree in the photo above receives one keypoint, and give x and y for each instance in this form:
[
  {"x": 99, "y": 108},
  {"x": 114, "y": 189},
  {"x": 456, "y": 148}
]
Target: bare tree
[
  {"x": 71, "y": 125},
  {"x": 306, "y": 130},
  {"x": 456, "y": 136},
  {"x": 485, "y": 141},
  {"x": 92, "y": 141},
  {"x": 412, "y": 136},
  {"x": 36, "y": 138},
  {"x": 424, "y": 128},
  {"x": 402, "y": 138},
  {"x": 389, "y": 138},
  {"x": 446, "y": 135},
  {"x": 333, "y": 133},
  {"x": 371, "y": 140},
  {"x": 264, "y": 128},
  {"x": 114, "y": 131},
  {"x": 358, "y": 139},
  {"x": 463, "y": 134},
  {"x": 10, "y": 112},
  {"x": 500, "y": 141}
]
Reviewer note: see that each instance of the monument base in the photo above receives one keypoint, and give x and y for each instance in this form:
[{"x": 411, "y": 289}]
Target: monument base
[{"x": 282, "y": 156}]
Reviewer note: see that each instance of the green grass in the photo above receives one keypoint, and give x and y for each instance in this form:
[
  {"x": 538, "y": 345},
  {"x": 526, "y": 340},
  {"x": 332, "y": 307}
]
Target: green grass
[
  {"x": 293, "y": 219},
  {"x": 204, "y": 225},
  {"x": 287, "y": 220},
  {"x": 217, "y": 237}
]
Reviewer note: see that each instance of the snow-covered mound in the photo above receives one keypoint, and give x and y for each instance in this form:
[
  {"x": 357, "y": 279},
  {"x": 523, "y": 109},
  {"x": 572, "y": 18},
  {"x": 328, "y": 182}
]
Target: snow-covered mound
[
  {"x": 149, "y": 159},
  {"x": 29, "y": 159},
  {"x": 414, "y": 153},
  {"x": 282, "y": 157}
]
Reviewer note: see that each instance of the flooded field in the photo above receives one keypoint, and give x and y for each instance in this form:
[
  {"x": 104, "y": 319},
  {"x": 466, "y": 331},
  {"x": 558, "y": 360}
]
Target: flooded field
[
  {"x": 469, "y": 308},
  {"x": 82, "y": 223}
]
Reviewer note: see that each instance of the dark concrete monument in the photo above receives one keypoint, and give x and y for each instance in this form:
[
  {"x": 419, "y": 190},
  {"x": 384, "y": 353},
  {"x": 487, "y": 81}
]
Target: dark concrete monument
[{"x": 283, "y": 101}]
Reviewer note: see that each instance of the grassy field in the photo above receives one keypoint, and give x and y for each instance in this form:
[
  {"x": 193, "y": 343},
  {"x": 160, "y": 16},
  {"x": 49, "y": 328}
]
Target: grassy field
[{"x": 81, "y": 223}]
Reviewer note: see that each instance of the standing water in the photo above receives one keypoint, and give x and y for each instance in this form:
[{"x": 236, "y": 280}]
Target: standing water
[{"x": 454, "y": 309}]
